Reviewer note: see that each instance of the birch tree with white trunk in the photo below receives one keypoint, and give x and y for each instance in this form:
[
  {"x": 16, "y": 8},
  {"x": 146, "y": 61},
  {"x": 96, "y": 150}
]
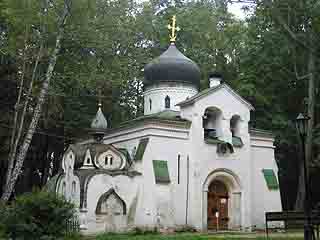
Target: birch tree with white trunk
[{"x": 18, "y": 154}]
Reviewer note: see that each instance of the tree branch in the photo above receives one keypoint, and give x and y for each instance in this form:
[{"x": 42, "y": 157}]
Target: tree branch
[{"x": 10, "y": 184}]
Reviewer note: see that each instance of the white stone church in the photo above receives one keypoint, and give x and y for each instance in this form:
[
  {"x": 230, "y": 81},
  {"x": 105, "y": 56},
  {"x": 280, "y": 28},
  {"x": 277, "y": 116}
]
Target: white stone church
[{"x": 191, "y": 160}]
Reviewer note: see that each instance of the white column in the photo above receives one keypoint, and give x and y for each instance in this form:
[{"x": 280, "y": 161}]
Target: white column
[
  {"x": 226, "y": 133},
  {"x": 236, "y": 210}
]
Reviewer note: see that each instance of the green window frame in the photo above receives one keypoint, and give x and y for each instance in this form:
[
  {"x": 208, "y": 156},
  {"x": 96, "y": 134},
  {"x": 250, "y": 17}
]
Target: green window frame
[
  {"x": 141, "y": 149},
  {"x": 271, "y": 179},
  {"x": 161, "y": 172}
]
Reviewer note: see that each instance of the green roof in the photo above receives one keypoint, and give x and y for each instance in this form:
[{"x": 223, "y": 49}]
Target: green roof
[
  {"x": 125, "y": 152},
  {"x": 213, "y": 140},
  {"x": 237, "y": 141},
  {"x": 99, "y": 121},
  {"x": 271, "y": 179},
  {"x": 141, "y": 148},
  {"x": 161, "y": 172},
  {"x": 167, "y": 116}
]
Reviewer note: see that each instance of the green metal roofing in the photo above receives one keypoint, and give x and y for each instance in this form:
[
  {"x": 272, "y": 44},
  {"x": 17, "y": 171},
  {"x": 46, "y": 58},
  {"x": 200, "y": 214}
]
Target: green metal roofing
[
  {"x": 161, "y": 172},
  {"x": 125, "y": 152},
  {"x": 271, "y": 179},
  {"x": 99, "y": 121},
  {"x": 213, "y": 140},
  {"x": 141, "y": 148},
  {"x": 166, "y": 116},
  {"x": 237, "y": 141}
]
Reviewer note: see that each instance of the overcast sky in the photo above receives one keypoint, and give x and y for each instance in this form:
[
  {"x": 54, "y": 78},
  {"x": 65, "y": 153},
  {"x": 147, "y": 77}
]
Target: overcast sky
[{"x": 235, "y": 8}]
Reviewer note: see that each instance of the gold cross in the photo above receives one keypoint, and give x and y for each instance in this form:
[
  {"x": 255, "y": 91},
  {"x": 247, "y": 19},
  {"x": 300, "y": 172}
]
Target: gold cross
[{"x": 173, "y": 28}]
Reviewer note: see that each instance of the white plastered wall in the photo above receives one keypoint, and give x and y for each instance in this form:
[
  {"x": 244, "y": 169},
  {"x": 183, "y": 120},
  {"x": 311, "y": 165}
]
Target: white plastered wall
[
  {"x": 102, "y": 183},
  {"x": 157, "y": 94},
  {"x": 204, "y": 158},
  {"x": 263, "y": 199},
  {"x": 69, "y": 184},
  {"x": 159, "y": 205}
]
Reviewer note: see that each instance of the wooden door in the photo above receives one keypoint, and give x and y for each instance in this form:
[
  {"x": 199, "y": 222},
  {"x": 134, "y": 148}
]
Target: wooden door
[{"x": 218, "y": 206}]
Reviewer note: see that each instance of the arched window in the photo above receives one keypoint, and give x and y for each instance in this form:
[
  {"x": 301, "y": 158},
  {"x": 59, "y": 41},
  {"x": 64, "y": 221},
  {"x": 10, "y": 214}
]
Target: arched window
[
  {"x": 73, "y": 189},
  {"x": 167, "y": 102},
  {"x": 150, "y": 104},
  {"x": 212, "y": 121},
  {"x": 235, "y": 126},
  {"x": 88, "y": 160},
  {"x": 108, "y": 160}
]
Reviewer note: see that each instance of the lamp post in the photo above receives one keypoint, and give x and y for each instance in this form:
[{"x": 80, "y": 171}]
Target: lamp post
[{"x": 302, "y": 128}]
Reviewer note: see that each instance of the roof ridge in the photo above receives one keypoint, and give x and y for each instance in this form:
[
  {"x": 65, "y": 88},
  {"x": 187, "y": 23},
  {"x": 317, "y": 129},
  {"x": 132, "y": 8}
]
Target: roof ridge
[{"x": 206, "y": 91}]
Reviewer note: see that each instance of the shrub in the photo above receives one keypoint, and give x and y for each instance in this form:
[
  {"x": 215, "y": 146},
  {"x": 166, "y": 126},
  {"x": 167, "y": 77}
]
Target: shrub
[
  {"x": 36, "y": 215},
  {"x": 143, "y": 231}
]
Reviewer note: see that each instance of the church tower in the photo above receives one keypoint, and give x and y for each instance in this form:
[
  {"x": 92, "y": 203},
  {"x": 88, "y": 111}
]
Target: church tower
[{"x": 170, "y": 78}]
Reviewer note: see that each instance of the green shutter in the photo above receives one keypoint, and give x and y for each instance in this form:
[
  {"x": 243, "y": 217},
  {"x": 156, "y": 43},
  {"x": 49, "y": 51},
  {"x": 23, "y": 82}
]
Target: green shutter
[
  {"x": 141, "y": 148},
  {"x": 161, "y": 172},
  {"x": 271, "y": 179}
]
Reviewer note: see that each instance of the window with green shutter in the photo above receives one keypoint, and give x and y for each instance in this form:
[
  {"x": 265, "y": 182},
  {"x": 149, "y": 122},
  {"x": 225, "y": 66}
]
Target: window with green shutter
[
  {"x": 271, "y": 179},
  {"x": 161, "y": 172},
  {"x": 141, "y": 149}
]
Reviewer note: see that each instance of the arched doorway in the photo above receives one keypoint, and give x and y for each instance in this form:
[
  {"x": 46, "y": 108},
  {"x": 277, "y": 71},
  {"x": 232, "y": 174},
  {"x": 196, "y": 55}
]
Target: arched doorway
[
  {"x": 218, "y": 198},
  {"x": 229, "y": 193},
  {"x": 110, "y": 204},
  {"x": 111, "y": 212}
]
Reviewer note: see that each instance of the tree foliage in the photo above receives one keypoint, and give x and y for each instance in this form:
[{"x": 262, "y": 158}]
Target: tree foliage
[{"x": 36, "y": 215}]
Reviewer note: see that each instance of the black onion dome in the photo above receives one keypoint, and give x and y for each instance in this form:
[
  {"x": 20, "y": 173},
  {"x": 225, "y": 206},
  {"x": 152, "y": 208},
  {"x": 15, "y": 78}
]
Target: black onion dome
[{"x": 172, "y": 66}]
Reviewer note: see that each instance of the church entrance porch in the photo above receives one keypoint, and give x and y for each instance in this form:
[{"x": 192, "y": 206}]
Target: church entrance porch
[
  {"x": 221, "y": 196},
  {"x": 218, "y": 206},
  {"x": 111, "y": 212}
]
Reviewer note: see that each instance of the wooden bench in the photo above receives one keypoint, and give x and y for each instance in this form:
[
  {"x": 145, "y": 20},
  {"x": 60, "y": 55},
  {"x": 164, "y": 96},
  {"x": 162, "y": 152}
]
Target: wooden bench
[{"x": 292, "y": 218}]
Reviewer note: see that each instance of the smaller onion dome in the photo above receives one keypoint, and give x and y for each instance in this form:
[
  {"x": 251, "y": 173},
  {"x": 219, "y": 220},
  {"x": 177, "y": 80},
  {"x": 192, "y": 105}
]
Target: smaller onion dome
[
  {"x": 172, "y": 66},
  {"x": 98, "y": 125}
]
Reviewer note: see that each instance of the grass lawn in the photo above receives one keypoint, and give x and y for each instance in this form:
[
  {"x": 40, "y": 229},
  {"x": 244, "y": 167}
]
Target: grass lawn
[{"x": 197, "y": 236}]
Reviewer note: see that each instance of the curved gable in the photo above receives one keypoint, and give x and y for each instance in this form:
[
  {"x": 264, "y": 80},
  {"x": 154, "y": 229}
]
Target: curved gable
[{"x": 108, "y": 157}]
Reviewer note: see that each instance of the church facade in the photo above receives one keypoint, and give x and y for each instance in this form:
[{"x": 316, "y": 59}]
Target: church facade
[{"x": 191, "y": 160}]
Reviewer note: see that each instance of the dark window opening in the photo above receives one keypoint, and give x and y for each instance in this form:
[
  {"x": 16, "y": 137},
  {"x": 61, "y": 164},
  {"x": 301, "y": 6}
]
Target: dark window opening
[
  {"x": 111, "y": 160},
  {"x": 73, "y": 187},
  {"x": 167, "y": 102},
  {"x": 106, "y": 160},
  {"x": 212, "y": 123},
  {"x": 235, "y": 126},
  {"x": 88, "y": 160},
  {"x": 150, "y": 104}
]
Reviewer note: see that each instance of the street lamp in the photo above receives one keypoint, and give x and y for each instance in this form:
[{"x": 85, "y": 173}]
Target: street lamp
[{"x": 302, "y": 128}]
